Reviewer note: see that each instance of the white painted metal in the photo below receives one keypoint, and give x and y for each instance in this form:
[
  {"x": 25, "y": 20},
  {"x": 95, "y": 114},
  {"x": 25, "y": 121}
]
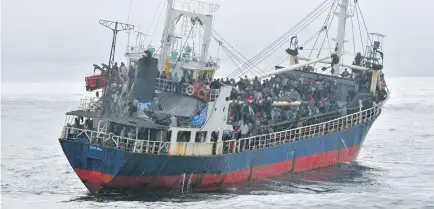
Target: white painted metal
[
  {"x": 341, "y": 64},
  {"x": 340, "y": 37},
  {"x": 168, "y": 38},
  {"x": 292, "y": 67},
  {"x": 244, "y": 144},
  {"x": 217, "y": 113}
]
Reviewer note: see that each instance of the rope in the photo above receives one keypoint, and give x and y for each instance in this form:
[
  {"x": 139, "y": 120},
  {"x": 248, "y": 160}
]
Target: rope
[
  {"x": 364, "y": 23},
  {"x": 233, "y": 48},
  {"x": 260, "y": 56},
  {"x": 284, "y": 55},
  {"x": 237, "y": 58},
  {"x": 284, "y": 38},
  {"x": 360, "y": 30},
  {"x": 156, "y": 52},
  {"x": 326, "y": 36},
  {"x": 230, "y": 57},
  {"x": 352, "y": 28},
  {"x": 226, "y": 43},
  {"x": 161, "y": 13},
  {"x": 324, "y": 25}
]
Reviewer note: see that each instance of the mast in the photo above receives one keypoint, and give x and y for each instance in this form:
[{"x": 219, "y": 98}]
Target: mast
[
  {"x": 115, "y": 27},
  {"x": 193, "y": 14},
  {"x": 340, "y": 37},
  {"x": 166, "y": 40},
  {"x": 129, "y": 31}
]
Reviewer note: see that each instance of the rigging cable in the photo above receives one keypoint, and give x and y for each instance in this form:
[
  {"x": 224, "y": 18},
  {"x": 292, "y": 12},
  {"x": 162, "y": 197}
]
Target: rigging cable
[
  {"x": 161, "y": 13},
  {"x": 237, "y": 58},
  {"x": 230, "y": 58},
  {"x": 226, "y": 43},
  {"x": 298, "y": 30},
  {"x": 284, "y": 37},
  {"x": 161, "y": 45},
  {"x": 352, "y": 27},
  {"x": 284, "y": 55},
  {"x": 324, "y": 26},
  {"x": 255, "y": 68},
  {"x": 220, "y": 38},
  {"x": 360, "y": 31},
  {"x": 326, "y": 35},
  {"x": 128, "y": 21},
  {"x": 364, "y": 23}
]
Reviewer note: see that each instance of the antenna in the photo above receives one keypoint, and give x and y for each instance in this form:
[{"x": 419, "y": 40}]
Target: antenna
[{"x": 115, "y": 27}]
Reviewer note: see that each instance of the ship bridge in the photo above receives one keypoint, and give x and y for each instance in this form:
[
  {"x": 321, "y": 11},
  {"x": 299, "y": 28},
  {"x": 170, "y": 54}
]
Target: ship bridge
[{"x": 185, "y": 42}]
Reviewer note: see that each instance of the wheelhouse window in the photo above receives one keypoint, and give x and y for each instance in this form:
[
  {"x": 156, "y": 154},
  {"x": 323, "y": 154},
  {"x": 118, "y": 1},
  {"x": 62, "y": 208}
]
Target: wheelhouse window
[
  {"x": 183, "y": 136},
  {"x": 200, "y": 136}
]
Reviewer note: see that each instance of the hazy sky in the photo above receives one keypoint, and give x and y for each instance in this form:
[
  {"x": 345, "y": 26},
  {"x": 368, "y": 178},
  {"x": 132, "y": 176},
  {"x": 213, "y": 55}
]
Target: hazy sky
[{"x": 60, "y": 39}]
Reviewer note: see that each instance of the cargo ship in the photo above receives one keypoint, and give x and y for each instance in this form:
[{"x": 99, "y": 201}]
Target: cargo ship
[{"x": 149, "y": 129}]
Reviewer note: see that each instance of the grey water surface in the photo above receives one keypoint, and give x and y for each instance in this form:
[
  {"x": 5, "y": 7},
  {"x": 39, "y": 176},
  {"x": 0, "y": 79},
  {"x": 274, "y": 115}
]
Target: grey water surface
[{"x": 395, "y": 168}]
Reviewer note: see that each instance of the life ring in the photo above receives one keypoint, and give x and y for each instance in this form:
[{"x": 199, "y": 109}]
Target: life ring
[{"x": 189, "y": 90}]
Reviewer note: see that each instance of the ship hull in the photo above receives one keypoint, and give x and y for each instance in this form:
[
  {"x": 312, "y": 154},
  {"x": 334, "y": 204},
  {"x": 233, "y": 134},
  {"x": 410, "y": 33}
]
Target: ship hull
[{"x": 105, "y": 169}]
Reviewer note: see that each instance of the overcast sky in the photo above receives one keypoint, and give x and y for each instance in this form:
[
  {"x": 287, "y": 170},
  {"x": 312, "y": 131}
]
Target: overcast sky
[{"x": 60, "y": 39}]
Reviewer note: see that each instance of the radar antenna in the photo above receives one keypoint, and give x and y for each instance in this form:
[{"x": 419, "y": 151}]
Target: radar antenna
[{"x": 115, "y": 27}]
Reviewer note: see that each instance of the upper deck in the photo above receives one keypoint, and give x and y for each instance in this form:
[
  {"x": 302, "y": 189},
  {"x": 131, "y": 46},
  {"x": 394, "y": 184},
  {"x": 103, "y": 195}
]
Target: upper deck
[{"x": 171, "y": 142}]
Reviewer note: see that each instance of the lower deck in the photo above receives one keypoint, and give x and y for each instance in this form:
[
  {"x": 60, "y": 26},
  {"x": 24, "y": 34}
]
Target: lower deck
[{"x": 107, "y": 168}]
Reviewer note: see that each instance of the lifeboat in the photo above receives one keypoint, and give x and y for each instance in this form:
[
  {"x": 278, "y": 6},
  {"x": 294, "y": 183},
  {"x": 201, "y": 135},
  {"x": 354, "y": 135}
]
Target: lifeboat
[{"x": 96, "y": 81}]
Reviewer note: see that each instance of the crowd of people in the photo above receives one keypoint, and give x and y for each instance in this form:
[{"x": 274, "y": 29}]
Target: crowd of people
[
  {"x": 285, "y": 98},
  {"x": 258, "y": 104}
]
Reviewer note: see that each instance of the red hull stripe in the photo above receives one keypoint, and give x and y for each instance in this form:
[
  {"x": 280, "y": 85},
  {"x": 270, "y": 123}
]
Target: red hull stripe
[{"x": 95, "y": 180}]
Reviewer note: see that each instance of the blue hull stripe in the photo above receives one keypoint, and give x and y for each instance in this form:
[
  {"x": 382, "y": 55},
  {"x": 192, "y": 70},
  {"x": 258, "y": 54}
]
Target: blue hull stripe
[{"x": 121, "y": 163}]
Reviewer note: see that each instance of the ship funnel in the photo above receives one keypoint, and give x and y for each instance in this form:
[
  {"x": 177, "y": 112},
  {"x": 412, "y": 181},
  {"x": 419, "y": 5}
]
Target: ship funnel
[{"x": 145, "y": 78}]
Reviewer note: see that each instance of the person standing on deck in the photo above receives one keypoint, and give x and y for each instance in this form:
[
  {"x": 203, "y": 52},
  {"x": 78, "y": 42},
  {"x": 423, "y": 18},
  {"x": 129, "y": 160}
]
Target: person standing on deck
[
  {"x": 244, "y": 130},
  {"x": 115, "y": 67}
]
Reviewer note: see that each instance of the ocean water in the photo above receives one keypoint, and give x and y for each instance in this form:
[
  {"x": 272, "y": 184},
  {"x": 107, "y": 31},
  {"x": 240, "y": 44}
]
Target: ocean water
[{"x": 395, "y": 168}]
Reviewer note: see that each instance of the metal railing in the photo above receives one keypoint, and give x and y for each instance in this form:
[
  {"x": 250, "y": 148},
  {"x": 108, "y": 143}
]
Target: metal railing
[
  {"x": 187, "y": 89},
  {"x": 72, "y": 133},
  {"x": 300, "y": 133},
  {"x": 94, "y": 104},
  {"x": 136, "y": 49},
  {"x": 167, "y": 85},
  {"x": 89, "y": 104},
  {"x": 114, "y": 141},
  {"x": 229, "y": 146}
]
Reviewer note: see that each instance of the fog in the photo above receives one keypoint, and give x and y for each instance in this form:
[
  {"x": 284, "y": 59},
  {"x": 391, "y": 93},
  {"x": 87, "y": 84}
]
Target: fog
[{"x": 52, "y": 40}]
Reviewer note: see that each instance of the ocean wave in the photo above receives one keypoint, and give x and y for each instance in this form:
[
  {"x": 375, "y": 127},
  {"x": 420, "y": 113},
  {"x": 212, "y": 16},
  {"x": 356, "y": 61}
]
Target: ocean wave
[{"x": 413, "y": 107}]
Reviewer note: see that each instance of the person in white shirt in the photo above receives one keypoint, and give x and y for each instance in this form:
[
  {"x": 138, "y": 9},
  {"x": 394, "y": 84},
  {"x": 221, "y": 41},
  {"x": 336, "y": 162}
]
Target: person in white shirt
[
  {"x": 244, "y": 130},
  {"x": 123, "y": 69}
]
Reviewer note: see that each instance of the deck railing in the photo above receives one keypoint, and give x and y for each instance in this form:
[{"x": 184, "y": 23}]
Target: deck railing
[
  {"x": 93, "y": 103},
  {"x": 229, "y": 146},
  {"x": 111, "y": 140},
  {"x": 300, "y": 133},
  {"x": 89, "y": 104},
  {"x": 187, "y": 89}
]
